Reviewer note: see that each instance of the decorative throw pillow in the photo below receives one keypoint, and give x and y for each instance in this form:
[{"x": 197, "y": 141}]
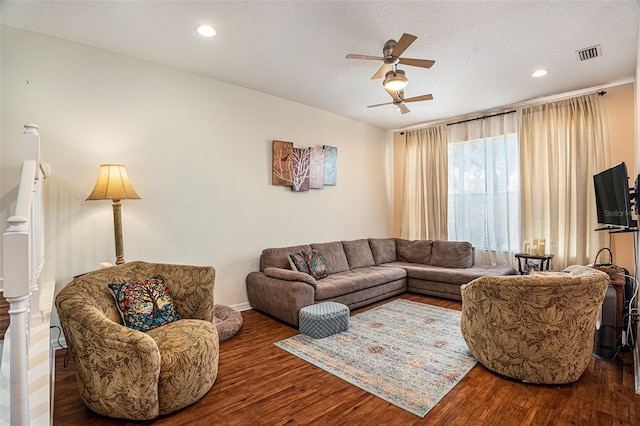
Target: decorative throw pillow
[
  {"x": 144, "y": 304},
  {"x": 316, "y": 263},
  {"x": 298, "y": 263}
]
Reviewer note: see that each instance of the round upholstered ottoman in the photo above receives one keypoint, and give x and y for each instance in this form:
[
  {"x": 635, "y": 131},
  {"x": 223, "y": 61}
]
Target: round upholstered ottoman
[
  {"x": 228, "y": 321},
  {"x": 323, "y": 319}
]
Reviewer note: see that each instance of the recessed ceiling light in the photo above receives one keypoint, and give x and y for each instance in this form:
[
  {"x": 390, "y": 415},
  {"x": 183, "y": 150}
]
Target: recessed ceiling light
[
  {"x": 539, "y": 73},
  {"x": 206, "y": 30}
]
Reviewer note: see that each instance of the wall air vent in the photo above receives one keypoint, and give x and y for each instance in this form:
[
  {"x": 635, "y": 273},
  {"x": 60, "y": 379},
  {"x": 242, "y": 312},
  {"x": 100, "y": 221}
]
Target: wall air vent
[{"x": 589, "y": 53}]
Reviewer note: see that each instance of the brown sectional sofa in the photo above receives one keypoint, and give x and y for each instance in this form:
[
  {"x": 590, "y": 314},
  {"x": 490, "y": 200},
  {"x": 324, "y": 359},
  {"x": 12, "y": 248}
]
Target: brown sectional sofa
[{"x": 364, "y": 271}]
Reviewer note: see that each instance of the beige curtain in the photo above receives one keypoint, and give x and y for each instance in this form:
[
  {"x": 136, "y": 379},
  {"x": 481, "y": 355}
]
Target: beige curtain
[
  {"x": 424, "y": 205},
  {"x": 562, "y": 145}
]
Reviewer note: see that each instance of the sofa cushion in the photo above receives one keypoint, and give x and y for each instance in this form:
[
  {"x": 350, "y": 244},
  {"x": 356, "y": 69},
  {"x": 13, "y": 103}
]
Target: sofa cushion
[
  {"x": 334, "y": 255},
  {"x": 383, "y": 250},
  {"x": 451, "y": 275},
  {"x": 358, "y": 253},
  {"x": 279, "y": 257},
  {"x": 452, "y": 254},
  {"x": 354, "y": 280},
  {"x": 418, "y": 251}
]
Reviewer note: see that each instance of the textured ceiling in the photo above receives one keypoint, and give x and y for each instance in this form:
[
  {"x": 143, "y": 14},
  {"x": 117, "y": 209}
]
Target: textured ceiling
[{"x": 485, "y": 51}]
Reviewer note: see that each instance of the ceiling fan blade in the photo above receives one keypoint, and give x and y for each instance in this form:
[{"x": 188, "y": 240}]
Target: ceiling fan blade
[
  {"x": 381, "y": 72},
  {"x": 377, "y": 105},
  {"x": 423, "y": 63},
  {"x": 368, "y": 57},
  {"x": 403, "y": 108},
  {"x": 404, "y": 42},
  {"x": 420, "y": 98},
  {"x": 394, "y": 94}
]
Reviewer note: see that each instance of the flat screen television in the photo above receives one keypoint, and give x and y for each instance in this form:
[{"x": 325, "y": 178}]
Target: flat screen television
[{"x": 613, "y": 200}]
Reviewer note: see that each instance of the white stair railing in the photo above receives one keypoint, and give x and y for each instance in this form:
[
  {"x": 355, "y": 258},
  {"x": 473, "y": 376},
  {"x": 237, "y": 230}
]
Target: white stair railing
[{"x": 23, "y": 259}]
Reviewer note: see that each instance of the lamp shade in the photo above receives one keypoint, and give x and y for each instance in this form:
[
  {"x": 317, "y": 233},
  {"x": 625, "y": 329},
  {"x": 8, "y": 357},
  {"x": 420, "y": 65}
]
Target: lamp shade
[
  {"x": 113, "y": 184},
  {"x": 395, "y": 80}
]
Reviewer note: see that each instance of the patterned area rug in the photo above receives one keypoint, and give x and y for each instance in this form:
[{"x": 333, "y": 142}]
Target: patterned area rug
[{"x": 407, "y": 353}]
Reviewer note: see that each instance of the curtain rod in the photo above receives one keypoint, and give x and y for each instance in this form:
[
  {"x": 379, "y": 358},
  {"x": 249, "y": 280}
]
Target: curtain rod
[
  {"x": 482, "y": 118},
  {"x": 599, "y": 90},
  {"x": 600, "y": 93}
]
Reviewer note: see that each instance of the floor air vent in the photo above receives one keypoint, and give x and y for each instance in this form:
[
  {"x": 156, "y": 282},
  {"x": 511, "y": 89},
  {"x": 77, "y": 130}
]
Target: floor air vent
[{"x": 589, "y": 53}]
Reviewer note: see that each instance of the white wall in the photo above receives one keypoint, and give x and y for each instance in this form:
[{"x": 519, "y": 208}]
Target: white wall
[{"x": 197, "y": 150}]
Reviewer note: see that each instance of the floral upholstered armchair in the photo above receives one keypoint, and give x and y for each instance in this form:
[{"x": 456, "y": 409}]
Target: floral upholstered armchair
[
  {"x": 535, "y": 328},
  {"x": 126, "y": 373}
]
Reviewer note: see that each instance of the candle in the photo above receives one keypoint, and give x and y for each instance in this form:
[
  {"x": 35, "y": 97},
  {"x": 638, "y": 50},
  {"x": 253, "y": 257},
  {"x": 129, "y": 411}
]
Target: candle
[
  {"x": 541, "y": 247},
  {"x": 525, "y": 247}
]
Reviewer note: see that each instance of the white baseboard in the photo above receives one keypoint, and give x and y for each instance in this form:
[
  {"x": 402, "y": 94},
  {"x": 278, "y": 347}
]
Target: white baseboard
[{"x": 242, "y": 306}]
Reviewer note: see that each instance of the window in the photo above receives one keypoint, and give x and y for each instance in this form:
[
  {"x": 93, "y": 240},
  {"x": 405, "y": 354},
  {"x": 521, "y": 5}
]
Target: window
[{"x": 483, "y": 193}]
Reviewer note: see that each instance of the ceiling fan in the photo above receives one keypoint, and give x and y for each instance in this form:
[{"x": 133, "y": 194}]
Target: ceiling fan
[
  {"x": 399, "y": 100},
  {"x": 392, "y": 51}
]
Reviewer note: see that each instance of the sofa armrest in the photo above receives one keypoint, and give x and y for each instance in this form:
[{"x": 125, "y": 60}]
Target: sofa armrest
[
  {"x": 280, "y": 298},
  {"x": 289, "y": 275}
]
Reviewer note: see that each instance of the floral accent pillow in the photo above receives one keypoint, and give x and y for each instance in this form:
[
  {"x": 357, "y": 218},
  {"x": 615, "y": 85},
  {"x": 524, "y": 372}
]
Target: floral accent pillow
[
  {"x": 298, "y": 263},
  {"x": 316, "y": 263},
  {"x": 144, "y": 304}
]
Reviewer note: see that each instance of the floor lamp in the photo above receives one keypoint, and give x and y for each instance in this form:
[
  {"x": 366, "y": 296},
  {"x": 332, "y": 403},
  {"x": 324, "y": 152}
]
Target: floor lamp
[{"x": 113, "y": 184}]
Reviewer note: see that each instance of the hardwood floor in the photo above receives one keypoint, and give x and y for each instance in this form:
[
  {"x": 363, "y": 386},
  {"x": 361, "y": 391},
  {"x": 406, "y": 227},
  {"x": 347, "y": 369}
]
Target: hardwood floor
[
  {"x": 4, "y": 315},
  {"x": 260, "y": 384}
]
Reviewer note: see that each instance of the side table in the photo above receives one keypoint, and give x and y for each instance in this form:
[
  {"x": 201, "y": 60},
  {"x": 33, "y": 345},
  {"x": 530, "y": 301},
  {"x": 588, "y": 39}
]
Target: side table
[{"x": 543, "y": 259}]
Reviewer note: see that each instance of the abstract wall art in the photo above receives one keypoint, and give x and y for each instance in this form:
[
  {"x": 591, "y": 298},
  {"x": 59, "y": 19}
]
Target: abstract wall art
[
  {"x": 316, "y": 172},
  {"x": 303, "y": 168},
  {"x": 330, "y": 165},
  {"x": 282, "y": 163}
]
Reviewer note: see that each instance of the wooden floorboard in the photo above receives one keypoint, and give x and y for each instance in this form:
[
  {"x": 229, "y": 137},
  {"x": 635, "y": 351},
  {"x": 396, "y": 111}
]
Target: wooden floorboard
[
  {"x": 260, "y": 384},
  {"x": 4, "y": 315}
]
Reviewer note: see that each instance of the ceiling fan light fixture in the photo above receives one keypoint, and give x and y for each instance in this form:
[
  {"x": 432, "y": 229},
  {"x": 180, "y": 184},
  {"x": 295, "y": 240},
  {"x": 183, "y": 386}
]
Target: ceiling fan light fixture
[{"x": 395, "y": 80}]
